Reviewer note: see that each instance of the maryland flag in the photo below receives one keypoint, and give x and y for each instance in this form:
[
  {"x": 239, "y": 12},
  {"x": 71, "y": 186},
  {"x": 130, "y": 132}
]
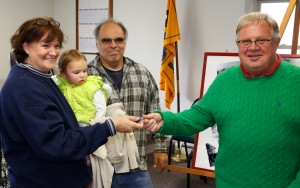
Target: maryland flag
[{"x": 171, "y": 36}]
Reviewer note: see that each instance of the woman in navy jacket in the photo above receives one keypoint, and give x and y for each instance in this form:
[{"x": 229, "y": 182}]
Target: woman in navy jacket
[{"x": 42, "y": 142}]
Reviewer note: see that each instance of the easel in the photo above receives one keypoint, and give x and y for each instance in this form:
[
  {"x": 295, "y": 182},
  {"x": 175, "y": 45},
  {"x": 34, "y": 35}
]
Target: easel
[
  {"x": 191, "y": 171},
  {"x": 292, "y": 5}
]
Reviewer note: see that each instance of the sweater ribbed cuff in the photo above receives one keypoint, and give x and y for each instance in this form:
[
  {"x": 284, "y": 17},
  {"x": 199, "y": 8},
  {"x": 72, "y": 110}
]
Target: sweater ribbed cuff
[{"x": 111, "y": 126}]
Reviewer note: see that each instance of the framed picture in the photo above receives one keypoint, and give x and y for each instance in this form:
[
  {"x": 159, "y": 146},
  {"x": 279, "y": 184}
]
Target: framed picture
[
  {"x": 207, "y": 142},
  {"x": 89, "y": 13}
]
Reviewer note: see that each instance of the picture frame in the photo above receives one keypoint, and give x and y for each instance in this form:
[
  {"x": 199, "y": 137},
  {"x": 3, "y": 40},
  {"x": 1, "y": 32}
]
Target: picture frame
[
  {"x": 89, "y": 13},
  {"x": 206, "y": 142}
]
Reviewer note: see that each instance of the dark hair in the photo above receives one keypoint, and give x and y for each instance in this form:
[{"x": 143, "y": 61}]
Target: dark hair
[
  {"x": 110, "y": 20},
  {"x": 69, "y": 55},
  {"x": 31, "y": 31}
]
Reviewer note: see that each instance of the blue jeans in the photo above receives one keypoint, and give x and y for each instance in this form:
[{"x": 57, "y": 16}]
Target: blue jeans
[{"x": 139, "y": 179}]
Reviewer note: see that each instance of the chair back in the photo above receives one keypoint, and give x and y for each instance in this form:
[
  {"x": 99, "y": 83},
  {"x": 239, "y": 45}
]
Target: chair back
[{"x": 12, "y": 59}]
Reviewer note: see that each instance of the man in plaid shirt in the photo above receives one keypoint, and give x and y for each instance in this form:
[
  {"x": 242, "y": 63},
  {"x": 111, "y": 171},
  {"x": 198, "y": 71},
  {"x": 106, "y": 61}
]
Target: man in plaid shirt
[{"x": 133, "y": 86}]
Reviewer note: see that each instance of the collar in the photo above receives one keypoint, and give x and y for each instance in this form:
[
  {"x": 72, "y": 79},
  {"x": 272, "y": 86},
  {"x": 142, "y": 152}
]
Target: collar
[
  {"x": 34, "y": 70},
  {"x": 266, "y": 74},
  {"x": 98, "y": 61}
]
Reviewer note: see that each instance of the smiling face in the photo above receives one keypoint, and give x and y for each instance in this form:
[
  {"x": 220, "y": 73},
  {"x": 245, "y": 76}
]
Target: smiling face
[
  {"x": 42, "y": 55},
  {"x": 258, "y": 59},
  {"x": 75, "y": 72}
]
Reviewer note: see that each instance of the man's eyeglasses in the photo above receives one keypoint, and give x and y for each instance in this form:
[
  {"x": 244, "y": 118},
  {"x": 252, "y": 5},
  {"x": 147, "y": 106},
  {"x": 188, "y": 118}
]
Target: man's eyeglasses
[
  {"x": 258, "y": 42},
  {"x": 47, "y": 22},
  {"x": 108, "y": 41}
]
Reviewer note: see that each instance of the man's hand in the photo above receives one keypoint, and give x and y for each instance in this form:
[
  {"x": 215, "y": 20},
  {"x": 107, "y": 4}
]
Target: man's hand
[
  {"x": 152, "y": 122},
  {"x": 160, "y": 161},
  {"x": 127, "y": 124}
]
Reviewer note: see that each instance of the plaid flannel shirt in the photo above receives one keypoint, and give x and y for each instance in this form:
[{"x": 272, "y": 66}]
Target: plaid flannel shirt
[{"x": 139, "y": 95}]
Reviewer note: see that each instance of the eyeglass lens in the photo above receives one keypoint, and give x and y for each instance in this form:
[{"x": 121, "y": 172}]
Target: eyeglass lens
[
  {"x": 118, "y": 40},
  {"x": 259, "y": 42},
  {"x": 47, "y": 22}
]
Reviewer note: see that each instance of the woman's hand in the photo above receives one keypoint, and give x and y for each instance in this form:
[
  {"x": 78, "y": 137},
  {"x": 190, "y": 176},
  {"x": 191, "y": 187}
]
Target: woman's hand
[{"x": 127, "y": 124}]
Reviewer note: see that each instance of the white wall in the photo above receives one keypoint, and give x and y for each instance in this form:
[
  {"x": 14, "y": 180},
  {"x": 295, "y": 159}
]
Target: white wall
[
  {"x": 65, "y": 13},
  {"x": 12, "y": 14},
  {"x": 204, "y": 26}
]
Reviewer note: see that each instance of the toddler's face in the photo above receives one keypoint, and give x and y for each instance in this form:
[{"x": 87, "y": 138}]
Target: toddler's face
[{"x": 76, "y": 72}]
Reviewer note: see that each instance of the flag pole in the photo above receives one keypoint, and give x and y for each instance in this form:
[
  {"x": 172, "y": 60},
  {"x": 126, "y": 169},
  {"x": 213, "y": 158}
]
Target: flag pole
[{"x": 177, "y": 78}]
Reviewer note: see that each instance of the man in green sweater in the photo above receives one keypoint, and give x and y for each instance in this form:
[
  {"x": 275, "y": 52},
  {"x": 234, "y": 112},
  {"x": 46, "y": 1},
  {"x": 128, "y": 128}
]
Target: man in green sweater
[{"x": 256, "y": 106}]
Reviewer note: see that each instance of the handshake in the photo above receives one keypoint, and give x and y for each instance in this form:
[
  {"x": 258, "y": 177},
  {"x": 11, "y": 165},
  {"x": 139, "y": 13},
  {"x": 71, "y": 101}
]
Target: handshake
[{"x": 151, "y": 122}]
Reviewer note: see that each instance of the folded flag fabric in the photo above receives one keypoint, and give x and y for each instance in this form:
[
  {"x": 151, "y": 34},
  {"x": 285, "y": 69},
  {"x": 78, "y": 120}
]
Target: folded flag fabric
[{"x": 171, "y": 36}]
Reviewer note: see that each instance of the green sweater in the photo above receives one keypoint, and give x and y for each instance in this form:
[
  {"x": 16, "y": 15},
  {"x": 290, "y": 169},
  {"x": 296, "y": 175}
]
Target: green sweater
[{"x": 258, "y": 123}]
